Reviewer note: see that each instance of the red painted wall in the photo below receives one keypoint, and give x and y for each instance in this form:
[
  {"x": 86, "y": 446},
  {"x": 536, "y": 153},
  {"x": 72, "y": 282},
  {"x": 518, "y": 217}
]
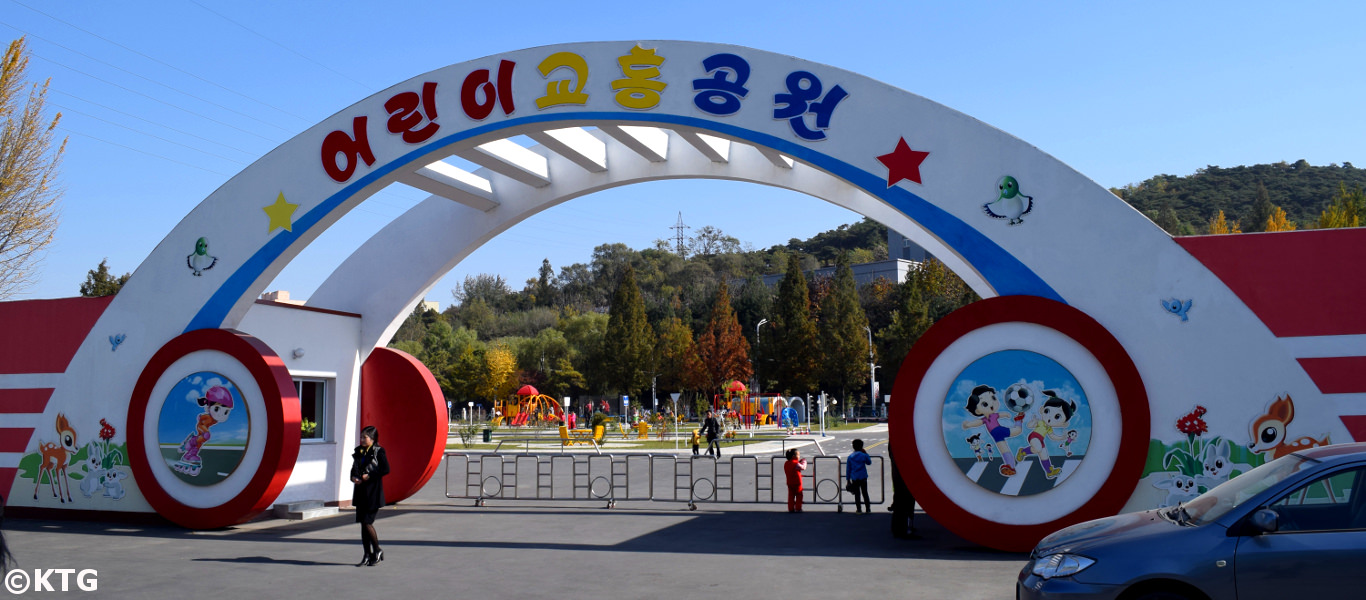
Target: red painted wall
[
  {"x": 401, "y": 398},
  {"x": 1300, "y": 283},
  {"x": 42, "y": 335}
]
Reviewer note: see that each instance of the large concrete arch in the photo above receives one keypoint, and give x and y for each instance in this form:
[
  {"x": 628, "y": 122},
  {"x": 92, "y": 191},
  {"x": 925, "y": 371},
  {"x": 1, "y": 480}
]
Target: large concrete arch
[
  {"x": 1012, "y": 220},
  {"x": 368, "y": 282}
]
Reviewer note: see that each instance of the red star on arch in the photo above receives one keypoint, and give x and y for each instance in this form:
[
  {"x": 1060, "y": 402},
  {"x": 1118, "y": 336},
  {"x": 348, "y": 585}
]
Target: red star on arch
[{"x": 903, "y": 163}]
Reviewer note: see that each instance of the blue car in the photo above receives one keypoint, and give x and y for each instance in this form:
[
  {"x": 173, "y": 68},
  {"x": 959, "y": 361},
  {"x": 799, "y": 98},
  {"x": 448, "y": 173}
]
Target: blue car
[{"x": 1293, "y": 526}]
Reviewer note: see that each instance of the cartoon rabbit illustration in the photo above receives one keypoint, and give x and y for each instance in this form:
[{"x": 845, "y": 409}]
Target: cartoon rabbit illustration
[
  {"x": 94, "y": 470},
  {"x": 1180, "y": 488},
  {"x": 1216, "y": 465},
  {"x": 112, "y": 487}
]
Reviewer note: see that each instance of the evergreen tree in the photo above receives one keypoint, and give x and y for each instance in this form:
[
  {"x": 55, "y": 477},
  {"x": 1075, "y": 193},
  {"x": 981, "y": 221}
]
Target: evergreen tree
[
  {"x": 98, "y": 282},
  {"x": 544, "y": 290},
  {"x": 794, "y": 331},
  {"x": 910, "y": 320},
  {"x": 753, "y": 304},
  {"x": 843, "y": 339},
  {"x": 722, "y": 346},
  {"x": 629, "y": 342},
  {"x": 564, "y": 378},
  {"x": 1261, "y": 209}
]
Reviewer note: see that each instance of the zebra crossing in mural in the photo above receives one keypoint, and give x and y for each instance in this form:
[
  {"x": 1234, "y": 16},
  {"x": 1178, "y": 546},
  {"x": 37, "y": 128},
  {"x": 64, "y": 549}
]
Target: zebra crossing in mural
[{"x": 1029, "y": 477}]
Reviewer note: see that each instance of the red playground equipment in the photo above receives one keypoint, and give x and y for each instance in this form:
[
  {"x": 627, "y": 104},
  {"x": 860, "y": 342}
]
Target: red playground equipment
[
  {"x": 750, "y": 410},
  {"x": 527, "y": 407}
]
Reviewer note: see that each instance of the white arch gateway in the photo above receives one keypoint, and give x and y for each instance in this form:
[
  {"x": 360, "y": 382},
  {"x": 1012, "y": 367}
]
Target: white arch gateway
[{"x": 1089, "y": 302}]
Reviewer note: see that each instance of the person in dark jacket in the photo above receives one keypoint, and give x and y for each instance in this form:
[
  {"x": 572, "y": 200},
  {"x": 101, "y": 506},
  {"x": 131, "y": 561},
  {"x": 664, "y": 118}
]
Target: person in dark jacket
[
  {"x": 903, "y": 506},
  {"x": 369, "y": 465},
  {"x": 711, "y": 428}
]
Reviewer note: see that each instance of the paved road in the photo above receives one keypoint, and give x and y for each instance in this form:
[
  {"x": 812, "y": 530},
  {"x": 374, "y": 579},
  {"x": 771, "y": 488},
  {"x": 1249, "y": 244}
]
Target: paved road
[{"x": 437, "y": 547}]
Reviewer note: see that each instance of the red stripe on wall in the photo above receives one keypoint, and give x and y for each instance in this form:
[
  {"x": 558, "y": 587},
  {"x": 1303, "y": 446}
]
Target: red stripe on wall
[
  {"x": 6, "y": 482},
  {"x": 1297, "y": 282},
  {"x": 14, "y": 439},
  {"x": 24, "y": 401},
  {"x": 41, "y": 336},
  {"x": 1356, "y": 425},
  {"x": 1337, "y": 375}
]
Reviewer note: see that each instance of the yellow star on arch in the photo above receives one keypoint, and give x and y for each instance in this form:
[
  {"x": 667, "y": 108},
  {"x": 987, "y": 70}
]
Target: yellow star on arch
[{"x": 280, "y": 213}]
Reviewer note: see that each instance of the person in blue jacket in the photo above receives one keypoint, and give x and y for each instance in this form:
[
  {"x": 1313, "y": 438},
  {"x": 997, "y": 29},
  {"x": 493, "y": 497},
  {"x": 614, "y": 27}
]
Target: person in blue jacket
[{"x": 856, "y": 471}]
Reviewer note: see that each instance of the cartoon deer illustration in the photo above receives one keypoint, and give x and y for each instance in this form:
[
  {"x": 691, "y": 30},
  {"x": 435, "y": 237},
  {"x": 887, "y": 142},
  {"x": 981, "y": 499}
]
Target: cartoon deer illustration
[
  {"x": 1269, "y": 436},
  {"x": 55, "y": 458}
]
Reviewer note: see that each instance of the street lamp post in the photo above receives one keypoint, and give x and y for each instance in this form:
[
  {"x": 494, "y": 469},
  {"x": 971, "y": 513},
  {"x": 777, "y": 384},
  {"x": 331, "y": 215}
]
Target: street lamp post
[
  {"x": 674, "y": 397},
  {"x": 758, "y": 383},
  {"x": 872, "y": 372}
]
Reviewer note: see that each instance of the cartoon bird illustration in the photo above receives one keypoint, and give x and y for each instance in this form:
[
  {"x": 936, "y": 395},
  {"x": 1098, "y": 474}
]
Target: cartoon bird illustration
[
  {"x": 200, "y": 261},
  {"x": 1011, "y": 203},
  {"x": 1178, "y": 308}
]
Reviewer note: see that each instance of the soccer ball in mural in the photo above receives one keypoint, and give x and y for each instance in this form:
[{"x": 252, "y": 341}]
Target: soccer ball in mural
[{"x": 1019, "y": 397}]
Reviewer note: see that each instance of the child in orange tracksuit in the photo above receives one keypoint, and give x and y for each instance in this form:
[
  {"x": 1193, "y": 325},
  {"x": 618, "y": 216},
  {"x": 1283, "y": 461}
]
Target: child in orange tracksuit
[{"x": 793, "y": 468}]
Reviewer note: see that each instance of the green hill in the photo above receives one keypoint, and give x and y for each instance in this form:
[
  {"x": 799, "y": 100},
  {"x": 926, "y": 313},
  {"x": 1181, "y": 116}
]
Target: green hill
[{"x": 1303, "y": 190}]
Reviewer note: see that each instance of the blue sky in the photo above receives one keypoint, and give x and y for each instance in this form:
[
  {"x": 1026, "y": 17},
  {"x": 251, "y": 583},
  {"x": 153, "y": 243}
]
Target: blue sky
[{"x": 163, "y": 102}]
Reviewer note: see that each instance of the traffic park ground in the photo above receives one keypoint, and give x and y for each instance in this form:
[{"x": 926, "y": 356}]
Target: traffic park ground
[{"x": 449, "y": 548}]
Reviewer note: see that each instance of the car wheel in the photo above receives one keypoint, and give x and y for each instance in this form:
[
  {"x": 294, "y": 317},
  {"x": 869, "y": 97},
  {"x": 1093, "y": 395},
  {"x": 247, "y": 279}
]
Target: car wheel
[{"x": 1162, "y": 595}]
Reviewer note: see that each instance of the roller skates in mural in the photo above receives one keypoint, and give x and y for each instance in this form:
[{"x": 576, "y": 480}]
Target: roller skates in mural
[{"x": 190, "y": 463}]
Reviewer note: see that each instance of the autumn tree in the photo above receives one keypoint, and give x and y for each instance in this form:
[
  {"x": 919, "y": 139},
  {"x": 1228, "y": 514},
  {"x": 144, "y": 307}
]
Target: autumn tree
[
  {"x": 629, "y": 341},
  {"x": 844, "y": 343},
  {"x": 676, "y": 356},
  {"x": 1277, "y": 221},
  {"x": 1345, "y": 210},
  {"x": 99, "y": 282},
  {"x": 722, "y": 347},
  {"x": 496, "y": 378},
  {"x": 1219, "y": 225},
  {"x": 794, "y": 331},
  {"x": 28, "y": 172}
]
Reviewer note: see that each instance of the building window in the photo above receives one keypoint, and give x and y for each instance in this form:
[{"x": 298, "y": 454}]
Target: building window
[{"x": 313, "y": 409}]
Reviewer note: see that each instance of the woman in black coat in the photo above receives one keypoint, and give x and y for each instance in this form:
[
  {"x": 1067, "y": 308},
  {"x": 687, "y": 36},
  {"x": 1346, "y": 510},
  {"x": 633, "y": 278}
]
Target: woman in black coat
[{"x": 368, "y": 468}]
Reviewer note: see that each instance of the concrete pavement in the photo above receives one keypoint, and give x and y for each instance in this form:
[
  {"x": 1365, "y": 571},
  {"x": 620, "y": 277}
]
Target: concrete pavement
[{"x": 531, "y": 549}]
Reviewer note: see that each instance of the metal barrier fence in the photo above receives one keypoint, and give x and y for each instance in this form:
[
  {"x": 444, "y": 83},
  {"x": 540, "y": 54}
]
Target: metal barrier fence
[{"x": 649, "y": 477}]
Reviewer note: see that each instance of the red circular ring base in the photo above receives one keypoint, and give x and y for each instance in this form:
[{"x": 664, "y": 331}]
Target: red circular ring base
[
  {"x": 1135, "y": 422},
  {"x": 281, "y": 435}
]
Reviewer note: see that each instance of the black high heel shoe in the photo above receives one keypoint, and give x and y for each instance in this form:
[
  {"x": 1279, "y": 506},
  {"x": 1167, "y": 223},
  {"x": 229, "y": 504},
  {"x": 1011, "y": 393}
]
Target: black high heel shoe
[
  {"x": 364, "y": 561},
  {"x": 376, "y": 558}
]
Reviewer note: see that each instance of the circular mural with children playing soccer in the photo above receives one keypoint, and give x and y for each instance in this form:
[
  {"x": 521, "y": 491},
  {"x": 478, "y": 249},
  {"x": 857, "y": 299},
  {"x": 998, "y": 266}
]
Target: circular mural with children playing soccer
[
  {"x": 203, "y": 428},
  {"x": 1016, "y": 422}
]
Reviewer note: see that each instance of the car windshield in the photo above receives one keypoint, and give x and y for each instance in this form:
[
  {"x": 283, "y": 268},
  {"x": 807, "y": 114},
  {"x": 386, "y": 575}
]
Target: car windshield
[{"x": 1215, "y": 503}]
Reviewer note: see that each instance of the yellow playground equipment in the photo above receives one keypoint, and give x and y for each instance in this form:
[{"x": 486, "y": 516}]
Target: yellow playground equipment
[
  {"x": 527, "y": 407},
  {"x": 750, "y": 409}
]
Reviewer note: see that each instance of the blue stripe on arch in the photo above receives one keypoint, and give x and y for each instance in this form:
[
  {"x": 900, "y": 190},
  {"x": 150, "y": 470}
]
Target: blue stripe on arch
[{"x": 1001, "y": 270}]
